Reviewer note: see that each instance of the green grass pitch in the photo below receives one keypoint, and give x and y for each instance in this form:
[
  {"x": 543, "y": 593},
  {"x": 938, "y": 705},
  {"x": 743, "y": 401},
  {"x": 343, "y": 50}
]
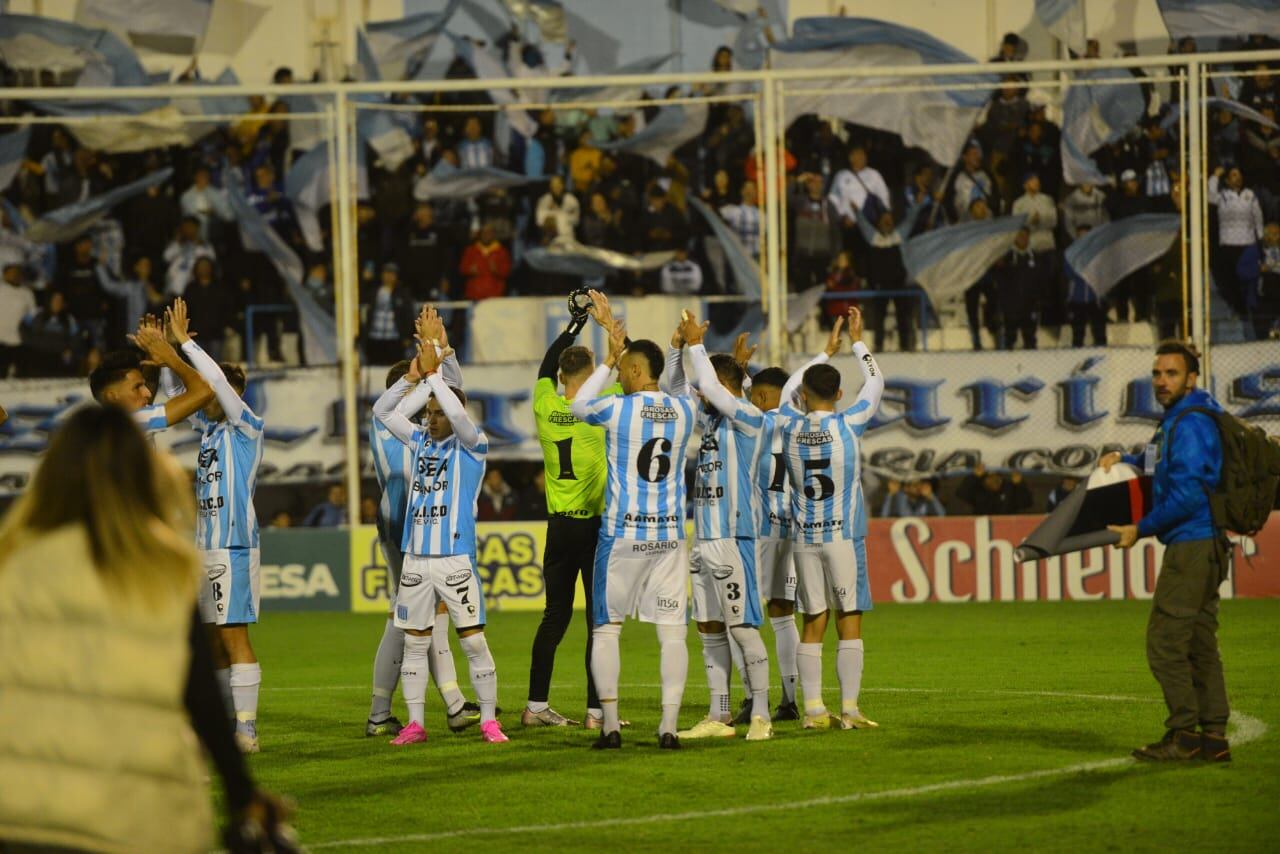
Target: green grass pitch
[{"x": 1004, "y": 726}]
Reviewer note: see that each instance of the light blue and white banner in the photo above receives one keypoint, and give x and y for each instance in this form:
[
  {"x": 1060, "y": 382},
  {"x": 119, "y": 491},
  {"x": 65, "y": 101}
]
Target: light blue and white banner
[
  {"x": 946, "y": 261},
  {"x": 170, "y": 26},
  {"x": 27, "y": 41},
  {"x": 746, "y": 272},
  {"x": 1065, "y": 20},
  {"x": 68, "y": 222},
  {"x": 13, "y": 150},
  {"x": 572, "y": 258},
  {"x": 446, "y": 181},
  {"x": 308, "y": 187},
  {"x": 672, "y": 127},
  {"x": 1094, "y": 114},
  {"x": 1108, "y": 253},
  {"x": 401, "y": 48},
  {"x": 1204, "y": 18}
]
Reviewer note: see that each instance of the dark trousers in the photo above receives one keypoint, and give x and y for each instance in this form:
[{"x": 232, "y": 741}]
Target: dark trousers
[
  {"x": 1182, "y": 641},
  {"x": 980, "y": 315},
  {"x": 1090, "y": 316},
  {"x": 905, "y": 310},
  {"x": 1015, "y": 322},
  {"x": 571, "y": 548},
  {"x": 10, "y": 357}
]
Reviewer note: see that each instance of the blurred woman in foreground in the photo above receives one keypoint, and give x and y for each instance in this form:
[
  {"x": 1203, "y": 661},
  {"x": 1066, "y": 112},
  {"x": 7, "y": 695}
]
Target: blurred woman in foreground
[{"x": 105, "y": 670}]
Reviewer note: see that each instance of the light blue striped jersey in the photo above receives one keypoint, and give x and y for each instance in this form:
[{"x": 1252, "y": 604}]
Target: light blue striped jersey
[
  {"x": 724, "y": 495},
  {"x": 151, "y": 419},
  {"x": 442, "y": 496},
  {"x": 226, "y": 476},
  {"x": 774, "y": 488},
  {"x": 824, "y": 470},
  {"x": 393, "y": 466},
  {"x": 646, "y": 437}
]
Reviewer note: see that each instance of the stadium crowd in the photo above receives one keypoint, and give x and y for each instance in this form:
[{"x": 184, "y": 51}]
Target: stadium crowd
[{"x": 63, "y": 305}]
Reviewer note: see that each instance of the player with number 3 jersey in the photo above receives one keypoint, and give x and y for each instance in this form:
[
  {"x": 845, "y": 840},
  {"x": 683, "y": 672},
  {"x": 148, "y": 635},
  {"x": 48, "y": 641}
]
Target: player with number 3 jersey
[{"x": 829, "y": 525}]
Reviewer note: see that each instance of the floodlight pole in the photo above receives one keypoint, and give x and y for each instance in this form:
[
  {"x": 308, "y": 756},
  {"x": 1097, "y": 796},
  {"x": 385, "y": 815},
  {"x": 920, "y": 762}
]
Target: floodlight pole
[
  {"x": 773, "y": 280},
  {"x": 1199, "y": 291},
  {"x": 346, "y": 286}
]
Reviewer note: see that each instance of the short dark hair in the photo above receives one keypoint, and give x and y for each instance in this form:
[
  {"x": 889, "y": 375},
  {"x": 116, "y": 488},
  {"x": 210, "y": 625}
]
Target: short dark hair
[
  {"x": 114, "y": 367},
  {"x": 727, "y": 370},
  {"x": 235, "y": 376},
  {"x": 771, "y": 376},
  {"x": 398, "y": 370},
  {"x": 576, "y": 359},
  {"x": 823, "y": 381},
  {"x": 1174, "y": 347},
  {"x": 652, "y": 354}
]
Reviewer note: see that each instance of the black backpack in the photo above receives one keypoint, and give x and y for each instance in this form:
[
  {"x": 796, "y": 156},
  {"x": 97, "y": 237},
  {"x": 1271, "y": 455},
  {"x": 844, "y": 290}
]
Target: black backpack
[{"x": 1246, "y": 492}]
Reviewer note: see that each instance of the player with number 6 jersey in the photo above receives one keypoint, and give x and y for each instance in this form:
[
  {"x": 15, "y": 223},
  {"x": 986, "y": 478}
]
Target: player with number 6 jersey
[
  {"x": 641, "y": 555},
  {"x": 829, "y": 526}
]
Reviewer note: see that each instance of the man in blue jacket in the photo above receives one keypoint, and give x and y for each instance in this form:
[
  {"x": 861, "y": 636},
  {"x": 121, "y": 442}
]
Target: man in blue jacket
[{"x": 1185, "y": 462}]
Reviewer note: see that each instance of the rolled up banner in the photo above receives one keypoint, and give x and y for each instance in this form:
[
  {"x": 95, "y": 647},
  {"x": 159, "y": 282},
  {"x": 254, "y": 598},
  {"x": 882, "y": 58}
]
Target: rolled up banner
[{"x": 1121, "y": 496}]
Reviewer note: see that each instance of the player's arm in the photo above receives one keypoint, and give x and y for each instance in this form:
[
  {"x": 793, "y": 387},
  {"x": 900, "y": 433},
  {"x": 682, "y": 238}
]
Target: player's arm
[
  {"x": 430, "y": 327},
  {"x": 588, "y": 406},
  {"x": 673, "y": 372},
  {"x": 791, "y": 391},
  {"x": 868, "y": 400},
  {"x": 706, "y": 381},
  {"x": 196, "y": 394},
  {"x": 463, "y": 427},
  {"x": 233, "y": 406},
  {"x": 405, "y": 398}
]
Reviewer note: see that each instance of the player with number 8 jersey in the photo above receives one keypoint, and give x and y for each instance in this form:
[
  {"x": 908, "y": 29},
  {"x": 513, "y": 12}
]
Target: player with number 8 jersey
[{"x": 641, "y": 558}]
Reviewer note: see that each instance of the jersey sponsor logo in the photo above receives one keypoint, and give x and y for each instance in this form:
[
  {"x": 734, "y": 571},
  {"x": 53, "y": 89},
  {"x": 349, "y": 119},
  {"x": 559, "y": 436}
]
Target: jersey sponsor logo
[
  {"x": 211, "y": 477},
  {"x": 658, "y": 413},
  {"x": 870, "y": 363},
  {"x": 563, "y": 419},
  {"x": 823, "y": 525},
  {"x": 432, "y": 486},
  {"x": 707, "y": 493},
  {"x": 217, "y": 571},
  {"x": 655, "y": 546},
  {"x": 778, "y": 518},
  {"x": 410, "y": 579},
  {"x": 668, "y": 604},
  {"x": 433, "y": 466},
  {"x": 424, "y": 515},
  {"x": 710, "y": 444},
  {"x": 814, "y": 437},
  {"x": 711, "y": 467},
  {"x": 460, "y": 577},
  {"x": 208, "y": 457},
  {"x": 209, "y": 506},
  {"x": 646, "y": 519}
]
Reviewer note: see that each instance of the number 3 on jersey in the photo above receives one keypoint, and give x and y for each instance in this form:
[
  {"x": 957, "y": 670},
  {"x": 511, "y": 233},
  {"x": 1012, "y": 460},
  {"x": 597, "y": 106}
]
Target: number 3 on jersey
[
  {"x": 818, "y": 486},
  {"x": 654, "y": 463}
]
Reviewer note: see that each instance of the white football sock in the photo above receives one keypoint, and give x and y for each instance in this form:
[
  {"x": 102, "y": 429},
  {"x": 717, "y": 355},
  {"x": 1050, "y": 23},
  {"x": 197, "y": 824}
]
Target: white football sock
[
  {"x": 386, "y": 671},
  {"x": 809, "y": 663},
  {"x": 414, "y": 665},
  {"x": 675, "y": 672},
  {"x": 735, "y": 651},
  {"x": 245, "y": 679},
  {"x": 484, "y": 674},
  {"x": 224, "y": 685},
  {"x": 538, "y": 707},
  {"x": 715, "y": 655},
  {"x": 786, "y": 637},
  {"x": 443, "y": 671},
  {"x": 849, "y": 669},
  {"x": 606, "y": 665},
  {"x": 757, "y": 664}
]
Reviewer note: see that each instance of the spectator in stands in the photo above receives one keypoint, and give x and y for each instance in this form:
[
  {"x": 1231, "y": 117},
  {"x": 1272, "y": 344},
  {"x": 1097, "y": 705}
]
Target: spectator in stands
[
  {"x": 972, "y": 183},
  {"x": 1059, "y": 493},
  {"x": 601, "y": 226},
  {"x": 54, "y": 339},
  {"x": 913, "y": 498},
  {"x": 1019, "y": 283},
  {"x": 923, "y": 189},
  {"x": 389, "y": 323},
  {"x": 729, "y": 143},
  {"x": 1085, "y": 205},
  {"x": 815, "y": 235},
  {"x": 1260, "y": 157},
  {"x": 1239, "y": 227},
  {"x": 425, "y": 258},
  {"x": 210, "y": 307},
  {"x": 662, "y": 227},
  {"x": 533, "y": 498},
  {"x": 1260, "y": 91},
  {"x": 321, "y": 289},
  {"x": 368, "y": 510},
  {"x": 1046, "y": 295},
  {"x": 1135, "y": 287},
  {"x": 1259, "y": 269},
  {"x": 16, "y": 303},
  {"x": 497, "y": 210},
  {"x": 57, "y": 164},
  {"x": 1156, "y": 181},
  {"x": 181, "y": 255},
  {"x": 886, "y": 271},
  {"x": 330, "y": 513},
  {"x": 281, "y": 519},
  {"x": 1084, "y": 309},
  {"x": 850, "y": 190},
  {"x": 1039, "y": 153},
  {"x": 14, "y": 248},
  {"x": 559, "y": 208},
  {"x": 87, "y": 177},
  {"x": 486, "y": 264},
  {"x": 680, "y": 275},
  {"x": 979, "y": 298},
  {"x": 497, "y": 500},
  {"x": 147, "y": 219},
  {"x": 721, "y": 192},
  {"x": 139, "y": 293},
  {"x": 77, "y": 279},
  {"x": 745, "y": 221},
  {"x": 988, "y": 493},
  {"x": 268, "y": 198},
  {"x": 841, "y": 278},
  {"x": 584, "y": 163},
  {"x": 1000, "y": 133}
]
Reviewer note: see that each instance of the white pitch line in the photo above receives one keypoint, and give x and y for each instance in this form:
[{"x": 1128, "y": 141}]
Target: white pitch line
[{"x": 1246, "y": 729}]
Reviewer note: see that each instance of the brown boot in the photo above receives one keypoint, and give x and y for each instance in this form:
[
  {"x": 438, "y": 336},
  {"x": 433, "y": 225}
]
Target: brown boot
[
  {"x": 1178, "y": 745},
  {"x": 1214, "y": 747}
]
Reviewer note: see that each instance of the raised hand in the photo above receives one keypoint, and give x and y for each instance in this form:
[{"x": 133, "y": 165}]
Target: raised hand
[
  {"x": 691, "y": 330},
  {"x": 177, "y": 322},
  {"x": 742, "y": 352},
  {"x": 428, "y": 359},
  {"x": 855, "y": 324},
  {"x": 150, "y": 340},
  {"x": 617, "y": 344},
  {"x": 600, "y": 311},
  {"x": 833, "y": 340}
]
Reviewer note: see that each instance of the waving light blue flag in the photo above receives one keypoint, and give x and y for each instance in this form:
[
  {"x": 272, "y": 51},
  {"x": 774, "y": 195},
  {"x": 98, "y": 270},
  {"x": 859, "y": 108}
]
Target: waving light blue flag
[
  {"x": 387, "y": 132},
  {"x": 446, "y": 181},
  {"x": 1198, "y": 18},
  {"x": 945, "y": 262},
  {"x": 67, "y": 222},
  {"x": 13, "y": 150},
  {"x": 746, "y": 272},
  {"x": 320, "y": 331},
  {"x": 168, "y": 26},
  {"x": 400, "y": 48},
  {"x": 576, "y": 259},
  {"x": 307, "y": 186},
  {"x": 937, "y": 121},
  {"x": 674, "y": 125},
  {"x": 1094, "y": 115},
  {"x": 488, "y": 67},
  {"x": 648, "y": 65},
  {"x": 1235, "y": 107},
  {"x": 1065, "y": 20},
  {"x": 1112, "y": 251},
  {"x": 27, "y": 41}
]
